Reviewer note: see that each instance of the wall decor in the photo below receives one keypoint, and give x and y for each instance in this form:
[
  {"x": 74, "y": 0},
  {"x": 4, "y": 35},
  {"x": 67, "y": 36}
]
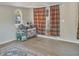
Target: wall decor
[
  {"x": 18, "y": 17},
  {"x": 46, "y": 12}
]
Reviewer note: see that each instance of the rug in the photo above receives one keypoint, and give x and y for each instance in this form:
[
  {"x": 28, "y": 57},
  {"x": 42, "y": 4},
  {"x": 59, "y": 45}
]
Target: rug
[{"x": 17, "y": 50}]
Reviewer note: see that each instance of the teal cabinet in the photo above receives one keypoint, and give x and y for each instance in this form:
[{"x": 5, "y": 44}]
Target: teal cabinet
[{"x": 21, "y": 36}]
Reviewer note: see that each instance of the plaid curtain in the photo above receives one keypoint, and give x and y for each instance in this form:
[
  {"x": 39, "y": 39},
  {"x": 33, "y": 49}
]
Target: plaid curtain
[
  {"x": 54, "y": 20},
  {"x": 39, "y": 20}
]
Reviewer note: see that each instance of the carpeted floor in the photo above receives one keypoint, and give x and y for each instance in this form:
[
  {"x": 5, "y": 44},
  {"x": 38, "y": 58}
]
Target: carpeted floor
[{"x": 17, "y": 50}]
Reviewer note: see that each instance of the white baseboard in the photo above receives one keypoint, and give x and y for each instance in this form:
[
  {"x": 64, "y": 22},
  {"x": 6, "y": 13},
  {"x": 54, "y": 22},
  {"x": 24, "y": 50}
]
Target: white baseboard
[
  {"x": 6, "y": 41},
  {"x": 57, "y": 38},
  {"x": 43, "y": 36}
]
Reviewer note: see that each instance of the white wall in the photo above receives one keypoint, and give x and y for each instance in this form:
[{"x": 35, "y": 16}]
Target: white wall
[
  {"x": 68, "y": 28},
  {"x": 27, "y": 15},
  {"x": 47, "y": 21},
  {"x": 7, "y": 28}
]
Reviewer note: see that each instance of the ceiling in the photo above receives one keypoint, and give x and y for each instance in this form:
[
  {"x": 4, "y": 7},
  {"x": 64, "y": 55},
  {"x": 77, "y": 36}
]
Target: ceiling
[{"x": 28, "y": 4}]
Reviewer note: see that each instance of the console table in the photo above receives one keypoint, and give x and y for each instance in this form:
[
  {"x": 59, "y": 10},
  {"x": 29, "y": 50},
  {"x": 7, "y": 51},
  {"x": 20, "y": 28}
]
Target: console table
[{"x": 24, "y": 35}]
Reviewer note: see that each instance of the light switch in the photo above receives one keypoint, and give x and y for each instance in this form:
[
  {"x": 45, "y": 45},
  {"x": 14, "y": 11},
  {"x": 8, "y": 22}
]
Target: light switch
[{"x": 63, "y": 21}]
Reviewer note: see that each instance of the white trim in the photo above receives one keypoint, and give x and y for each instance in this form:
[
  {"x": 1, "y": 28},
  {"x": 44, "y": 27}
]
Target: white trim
[
  {"x": 47, "y": 37},
  {"x": 6, "y": 41},
  {"x": 43, "y": 36},
  {"x": 57, "y": 38}
]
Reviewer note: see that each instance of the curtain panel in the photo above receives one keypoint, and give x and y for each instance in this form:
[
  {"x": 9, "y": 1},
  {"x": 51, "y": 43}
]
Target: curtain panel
[
  {"x": 39, "y": 20},
  {"x": 54, "y": 20}
]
